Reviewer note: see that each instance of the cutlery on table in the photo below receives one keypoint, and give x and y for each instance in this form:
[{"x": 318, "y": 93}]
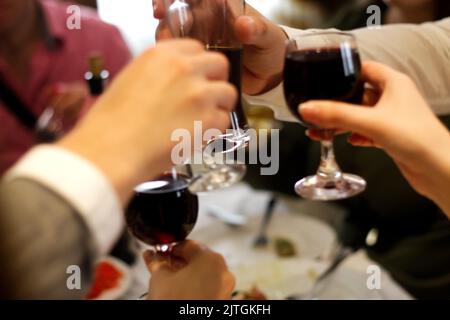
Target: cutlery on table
[{"x": 262, "y": 240}]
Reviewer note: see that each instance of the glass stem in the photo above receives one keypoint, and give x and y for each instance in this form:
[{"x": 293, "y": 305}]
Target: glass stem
[
  {"x": 165, "y": 252},
  {"x": 328, "y": 170}
]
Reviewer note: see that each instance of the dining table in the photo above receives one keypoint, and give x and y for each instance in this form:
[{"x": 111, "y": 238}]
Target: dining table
[{"x": 310, "y": 228}]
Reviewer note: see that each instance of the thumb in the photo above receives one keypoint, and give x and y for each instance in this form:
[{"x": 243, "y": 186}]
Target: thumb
[
  {"x": 256, "y": 31},
  {"x": 148, "y": 256},
  {"x": 188, "y": 250},
  {"x": 331, "y": 115},
  {"x": 154, "y": 262}
]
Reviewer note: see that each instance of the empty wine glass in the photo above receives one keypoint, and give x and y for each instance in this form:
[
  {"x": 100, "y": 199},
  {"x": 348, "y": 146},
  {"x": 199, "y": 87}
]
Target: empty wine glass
[{"x": 50, "y": 126}]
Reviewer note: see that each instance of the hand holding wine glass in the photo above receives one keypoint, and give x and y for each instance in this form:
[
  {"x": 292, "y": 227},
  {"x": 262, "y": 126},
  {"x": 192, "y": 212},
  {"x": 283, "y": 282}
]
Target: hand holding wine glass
[
  {"x": 201, "y": 274},
  {"x": 162, "y": 212},
  {"x": 263, "y": 43},
  {"x": 324, "y": 65},
  {"x": 166, "y": 88},
  {"x": 212, "y": 23},
  {"x": 400, "y": 122},
  {"x": 65, "y": 102}
]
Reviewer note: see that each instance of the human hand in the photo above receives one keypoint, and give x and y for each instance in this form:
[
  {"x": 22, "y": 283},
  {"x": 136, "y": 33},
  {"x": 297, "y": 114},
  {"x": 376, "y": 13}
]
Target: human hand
[
  {"x": 201, "y": 274},
  {"x": 399, "y": 121},
  {"x": 264, "y": 45},
  {"x": 67, "y": 99},
  {"x": 127, "y": 134}
]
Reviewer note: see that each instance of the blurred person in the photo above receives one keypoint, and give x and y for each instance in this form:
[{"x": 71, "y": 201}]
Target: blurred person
[
  {"x": 409, "y": 226},
  {"x": 62, "y": 204},
  {"x": 43, "y": 62}
]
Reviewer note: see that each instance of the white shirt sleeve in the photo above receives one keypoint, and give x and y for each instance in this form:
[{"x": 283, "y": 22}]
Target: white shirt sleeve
[
  {"x": 420, "y": 51},
  {"x": 81, "y": 184}
]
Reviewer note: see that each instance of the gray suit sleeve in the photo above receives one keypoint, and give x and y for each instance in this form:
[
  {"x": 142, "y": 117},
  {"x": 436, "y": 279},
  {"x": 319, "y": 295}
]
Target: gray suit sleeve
[{"x": 41, "y": 236}]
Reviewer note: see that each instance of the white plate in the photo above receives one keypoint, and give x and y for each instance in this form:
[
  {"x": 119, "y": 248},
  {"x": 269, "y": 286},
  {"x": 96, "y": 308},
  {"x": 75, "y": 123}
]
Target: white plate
[
  {"x": 278, "y": 277},
  {"x": 311, "y": 237}
]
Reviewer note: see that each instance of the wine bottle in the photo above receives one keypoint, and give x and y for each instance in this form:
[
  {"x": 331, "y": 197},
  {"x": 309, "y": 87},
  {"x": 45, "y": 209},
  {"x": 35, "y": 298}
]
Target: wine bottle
[{"x": 97, "y": 76}]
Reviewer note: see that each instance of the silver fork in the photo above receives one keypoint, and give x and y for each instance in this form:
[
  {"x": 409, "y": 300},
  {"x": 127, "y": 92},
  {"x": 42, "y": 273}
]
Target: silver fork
[{"x": 261, "y": 240}]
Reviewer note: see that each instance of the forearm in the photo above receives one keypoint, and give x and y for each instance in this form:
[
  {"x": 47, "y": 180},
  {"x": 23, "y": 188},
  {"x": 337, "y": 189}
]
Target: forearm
[
  {"x": 41, "y": 236},
  {"x": 440, "y": 189},
  {"x": 114, "y": 158},
  {"x": 80, "y": 184},
  {"x": 419, "y": 51}
]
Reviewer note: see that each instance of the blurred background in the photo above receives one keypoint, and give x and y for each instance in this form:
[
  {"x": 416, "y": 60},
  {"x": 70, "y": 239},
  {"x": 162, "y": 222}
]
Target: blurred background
[
  {"x": 389, "y": 224},
  {"x": 137, "y": 23},
  {"x": 408, "y": 226}
]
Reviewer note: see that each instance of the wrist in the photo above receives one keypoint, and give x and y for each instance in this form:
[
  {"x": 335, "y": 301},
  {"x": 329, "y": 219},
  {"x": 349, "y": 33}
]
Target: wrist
[
  {"x": 439, "y": 170},
  {"x": 277, "y": 78},
  {"x": 118, "y": 172}
]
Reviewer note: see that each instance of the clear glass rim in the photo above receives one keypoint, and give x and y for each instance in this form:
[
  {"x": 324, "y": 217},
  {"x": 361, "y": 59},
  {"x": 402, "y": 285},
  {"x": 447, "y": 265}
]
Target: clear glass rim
[
  {"x": 343, "y": 37},
  {"x": 155, "y": 191},
  {"x": 322, "y": 33},
  {"x": 168, "y": 3}
]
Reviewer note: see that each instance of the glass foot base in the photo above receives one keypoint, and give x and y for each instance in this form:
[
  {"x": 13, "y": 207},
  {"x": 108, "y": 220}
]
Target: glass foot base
[
  {"x": 317, "y": 188},
  {"x": 223, "y": 176},
  {"x": 223, "y": 145},
  {"x": 238, "y": 136}
]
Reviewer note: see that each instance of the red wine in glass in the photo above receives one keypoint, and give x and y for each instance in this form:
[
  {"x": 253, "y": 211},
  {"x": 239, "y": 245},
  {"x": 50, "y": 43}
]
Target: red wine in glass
[
  {"x": 163, "y": 212},
  {"x": 324, "y": 66},
  {"x": 325, "y": 74},
  {"x": 212, "y": 22},
  {"x": 234, "y": 56}
]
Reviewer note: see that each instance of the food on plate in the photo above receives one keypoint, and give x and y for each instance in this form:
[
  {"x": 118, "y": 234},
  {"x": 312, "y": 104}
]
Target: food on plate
[
  {"x": 313, "y": 274},
  {"x": 107, "y": 276},
  {"x": 253, "y": 294},
  {"x": 285, "y": 248}
]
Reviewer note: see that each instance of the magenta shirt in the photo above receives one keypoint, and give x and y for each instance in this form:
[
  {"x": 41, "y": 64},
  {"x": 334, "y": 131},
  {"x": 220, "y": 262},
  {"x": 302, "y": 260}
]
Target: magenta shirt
[{"x": 66, "y": 62}]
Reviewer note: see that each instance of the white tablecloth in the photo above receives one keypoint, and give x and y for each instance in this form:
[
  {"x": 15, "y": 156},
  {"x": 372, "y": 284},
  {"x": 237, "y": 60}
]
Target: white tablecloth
[{"x": 300, "y": 221}]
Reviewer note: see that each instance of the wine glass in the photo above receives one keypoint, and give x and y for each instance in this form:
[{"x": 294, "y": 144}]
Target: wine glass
[
  {"x": 162, "y": 212},
  {"x": 324, "y": 66},
  {"x": 212, "y": 23},
  {"x": 50, "y": 126}
]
